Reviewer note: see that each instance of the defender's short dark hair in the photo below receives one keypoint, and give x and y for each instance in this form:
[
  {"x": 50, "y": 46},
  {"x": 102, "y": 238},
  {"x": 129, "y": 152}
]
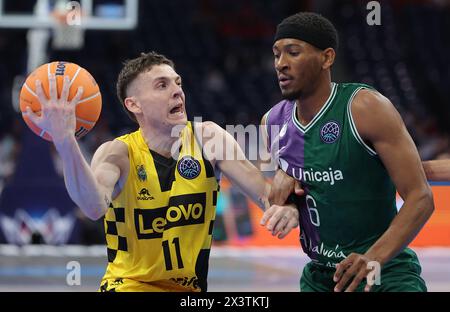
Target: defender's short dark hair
[
  {"x": 132, "y": 68},
  {"x": 309, "y": 27}
]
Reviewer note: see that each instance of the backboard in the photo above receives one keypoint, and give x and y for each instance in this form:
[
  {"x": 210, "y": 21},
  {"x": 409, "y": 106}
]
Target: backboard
[{"x": 86, "y": 14}]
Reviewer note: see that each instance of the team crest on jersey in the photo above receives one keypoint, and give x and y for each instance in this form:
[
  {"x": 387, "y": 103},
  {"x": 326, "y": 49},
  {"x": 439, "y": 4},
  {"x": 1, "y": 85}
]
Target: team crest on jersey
[
  {"x": 142, "y": 174},
  {"x": 330, "y": 132},
  {"x": 189, "y": 167}
]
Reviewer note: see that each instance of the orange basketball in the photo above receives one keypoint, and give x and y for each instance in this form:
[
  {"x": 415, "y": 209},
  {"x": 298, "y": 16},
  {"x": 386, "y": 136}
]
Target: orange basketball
[{"x": 88, "y": 108}]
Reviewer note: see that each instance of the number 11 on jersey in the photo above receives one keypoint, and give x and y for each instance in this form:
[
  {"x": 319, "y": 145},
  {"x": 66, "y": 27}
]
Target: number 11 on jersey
[{"x": 167, "y": 254}]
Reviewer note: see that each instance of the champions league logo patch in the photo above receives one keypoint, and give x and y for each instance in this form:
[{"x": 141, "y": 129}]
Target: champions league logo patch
[
  {"x": 189, "y": 167},
  {"x": 330, "y": 132}
]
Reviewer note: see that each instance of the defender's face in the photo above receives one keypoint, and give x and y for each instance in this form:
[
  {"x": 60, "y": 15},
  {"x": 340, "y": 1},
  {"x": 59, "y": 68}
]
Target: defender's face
[
  {"x": 160, "y": 96},
  {"x": 298, "y": 66}
]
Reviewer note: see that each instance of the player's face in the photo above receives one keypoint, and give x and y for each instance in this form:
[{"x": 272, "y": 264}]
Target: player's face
[
  {"x": 298, "y": 67},
  {"x": 161, "y": 96}
]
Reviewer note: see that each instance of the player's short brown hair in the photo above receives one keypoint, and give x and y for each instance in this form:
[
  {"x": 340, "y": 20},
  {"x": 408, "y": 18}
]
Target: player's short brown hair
[{"x": 132, "y": 68}]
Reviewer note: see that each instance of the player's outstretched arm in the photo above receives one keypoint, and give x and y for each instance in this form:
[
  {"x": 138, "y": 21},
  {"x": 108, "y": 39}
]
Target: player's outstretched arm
[
  {"x": 225, "y": 153},
  {"x": 58, "y": 120},
  {"x": 437, "y": 170},
  {"x": 379, "y": 124},
  {"x": 231, "y": 160}
]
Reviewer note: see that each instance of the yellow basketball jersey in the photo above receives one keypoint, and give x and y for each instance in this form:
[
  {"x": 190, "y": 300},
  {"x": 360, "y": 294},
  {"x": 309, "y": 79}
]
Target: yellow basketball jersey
[{"x": 159, "y": 229}]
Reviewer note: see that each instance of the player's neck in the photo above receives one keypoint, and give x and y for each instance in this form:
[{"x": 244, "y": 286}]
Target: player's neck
[
  {"x": 161, "y": 142},
  {"x": 309, "y": 105}
]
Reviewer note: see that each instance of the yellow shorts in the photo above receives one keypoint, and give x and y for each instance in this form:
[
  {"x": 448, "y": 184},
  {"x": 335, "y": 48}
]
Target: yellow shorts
[{"x": 129, "y": 285}]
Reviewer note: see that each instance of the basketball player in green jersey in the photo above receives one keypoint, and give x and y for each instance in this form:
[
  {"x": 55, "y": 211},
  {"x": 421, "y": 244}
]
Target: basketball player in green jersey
[
  {"x": 157, "y": 187},
  {"x": 349, "y": 148}
]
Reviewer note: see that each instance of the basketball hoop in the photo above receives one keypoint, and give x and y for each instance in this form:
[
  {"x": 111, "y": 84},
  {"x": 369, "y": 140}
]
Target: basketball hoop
[
  {"x": 65, "y": 36},
  {"x": 66, "y": 21}
]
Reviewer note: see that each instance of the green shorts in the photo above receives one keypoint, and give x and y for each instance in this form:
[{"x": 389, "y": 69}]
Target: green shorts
[{"x": 401, "y": 274}]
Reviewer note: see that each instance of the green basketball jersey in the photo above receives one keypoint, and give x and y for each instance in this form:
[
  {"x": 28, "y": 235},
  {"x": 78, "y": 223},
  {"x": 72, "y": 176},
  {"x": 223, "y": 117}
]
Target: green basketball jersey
[{"x": 350, "y": 198}]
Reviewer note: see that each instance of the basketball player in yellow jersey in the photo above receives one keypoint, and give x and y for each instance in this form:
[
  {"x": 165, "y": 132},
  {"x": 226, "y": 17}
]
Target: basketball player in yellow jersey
[{"x": 157, "y": 187}]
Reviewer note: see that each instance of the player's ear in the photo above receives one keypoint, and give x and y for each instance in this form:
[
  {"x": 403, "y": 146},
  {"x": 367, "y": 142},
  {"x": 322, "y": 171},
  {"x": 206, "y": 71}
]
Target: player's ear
[
  {"x": 328, "y": 56},
  {"x": 132, "y": 105}
]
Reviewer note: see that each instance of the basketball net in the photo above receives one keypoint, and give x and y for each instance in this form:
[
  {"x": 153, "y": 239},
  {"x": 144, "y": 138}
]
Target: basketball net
[{"x": 66, "y": 36}]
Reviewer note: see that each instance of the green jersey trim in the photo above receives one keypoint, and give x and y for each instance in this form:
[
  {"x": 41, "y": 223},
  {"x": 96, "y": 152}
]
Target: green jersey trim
[
  {"x": 353, "y": 126},
  {"x": 322, "y": 111}
]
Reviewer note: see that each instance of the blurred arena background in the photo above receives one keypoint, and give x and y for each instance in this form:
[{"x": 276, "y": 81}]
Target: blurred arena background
[{"x": 222, "y": 50}]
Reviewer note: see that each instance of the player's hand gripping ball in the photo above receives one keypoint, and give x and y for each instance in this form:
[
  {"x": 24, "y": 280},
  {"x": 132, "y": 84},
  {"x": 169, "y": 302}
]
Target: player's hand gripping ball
[{"x": 87, "y": 109}]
